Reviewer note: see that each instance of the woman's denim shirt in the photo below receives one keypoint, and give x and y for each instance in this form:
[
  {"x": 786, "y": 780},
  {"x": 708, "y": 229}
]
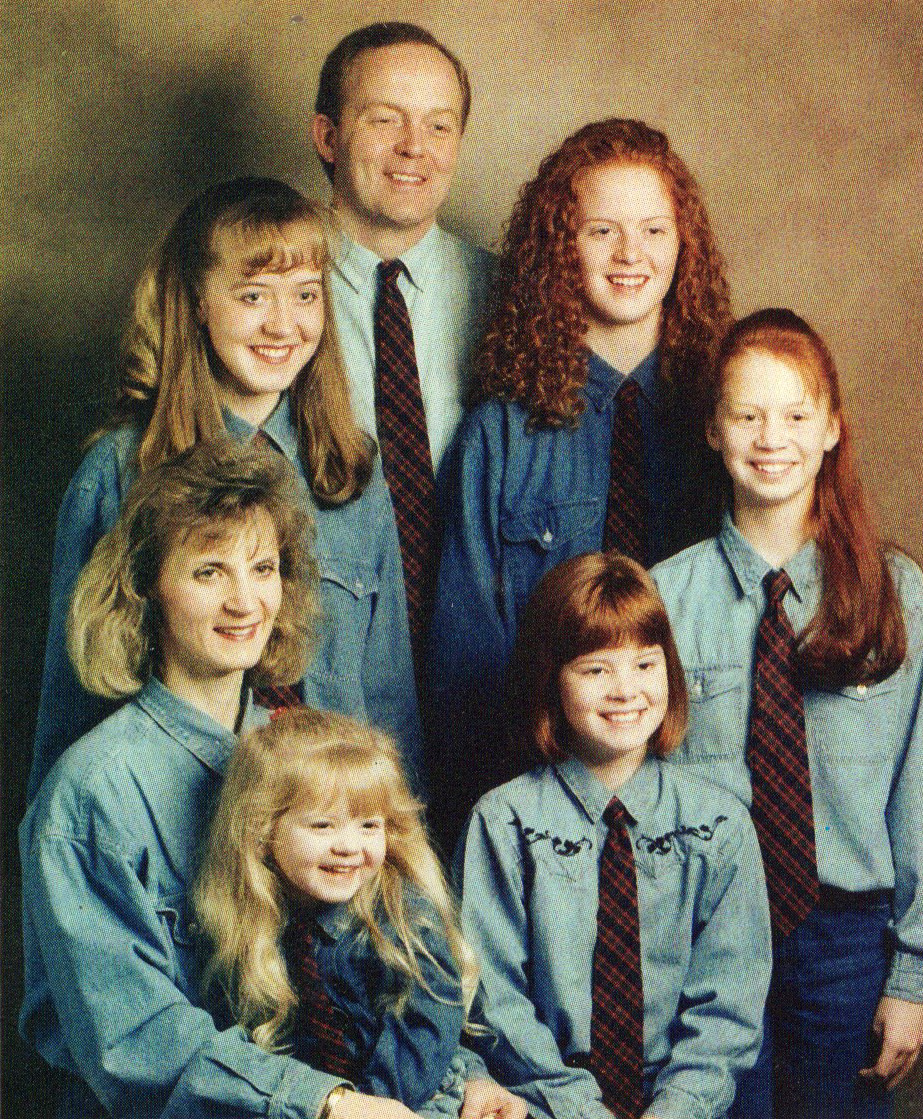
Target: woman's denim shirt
[
  {"x": 109, "y": 852},
  {"x": 362, "y": 664},
  {"x": 402, "y": 1055},
  {"x": 529, "y": 872},
  {"x": 865, "y": 742}
]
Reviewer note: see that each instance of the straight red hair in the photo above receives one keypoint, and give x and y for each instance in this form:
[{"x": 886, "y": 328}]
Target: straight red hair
[
  {"x": 594, "y": 601},
  {"x": 858, "y": 634}
]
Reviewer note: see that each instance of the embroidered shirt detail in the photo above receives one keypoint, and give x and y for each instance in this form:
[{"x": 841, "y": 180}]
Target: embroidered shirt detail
[
  {"x": 563, "y": 847},
  {"x": 663, "y": 844}
]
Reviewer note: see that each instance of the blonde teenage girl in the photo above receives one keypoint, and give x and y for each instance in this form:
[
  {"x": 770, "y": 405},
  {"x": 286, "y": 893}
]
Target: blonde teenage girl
[{"x": 232, "y": 333}]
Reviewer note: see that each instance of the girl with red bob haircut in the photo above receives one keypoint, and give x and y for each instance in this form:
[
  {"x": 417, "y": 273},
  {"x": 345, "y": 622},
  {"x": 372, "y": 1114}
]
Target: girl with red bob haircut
[
  {"x": 683, "y": 946},
  {"x": 797, "y": 623},
  {"x": 610, "y": 303}
]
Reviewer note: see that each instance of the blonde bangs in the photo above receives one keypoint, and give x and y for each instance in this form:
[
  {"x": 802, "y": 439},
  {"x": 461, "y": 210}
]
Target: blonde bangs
[{"x": 253, "y": 247}]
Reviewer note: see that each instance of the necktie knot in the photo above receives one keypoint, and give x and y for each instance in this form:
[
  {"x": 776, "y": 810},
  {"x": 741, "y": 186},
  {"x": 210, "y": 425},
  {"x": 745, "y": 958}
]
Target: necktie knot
[
  {"x": 628, "y": 392},
  {"x": 776, "y": 584},
  {"x": 389, "y": 270},
  {"x": 614, "y": 813}
]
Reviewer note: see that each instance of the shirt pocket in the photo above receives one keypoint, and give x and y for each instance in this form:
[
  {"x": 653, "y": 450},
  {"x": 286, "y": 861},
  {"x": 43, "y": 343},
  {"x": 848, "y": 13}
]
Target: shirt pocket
[
  {"x": 182, "y": 939},
  {"x": 348, "y": 594},
  {"x": 538, "y": 537},
  {"x": 718, "y": 699},
  {"x": 856, "y": 723}
]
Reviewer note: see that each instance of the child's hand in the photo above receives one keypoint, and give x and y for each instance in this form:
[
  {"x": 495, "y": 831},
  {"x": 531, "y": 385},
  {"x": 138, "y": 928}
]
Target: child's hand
[
  {"x": 357, "y": 1105},
  {"x": 484, "y": 1098},
  {"x": 899, "y": 1024}
]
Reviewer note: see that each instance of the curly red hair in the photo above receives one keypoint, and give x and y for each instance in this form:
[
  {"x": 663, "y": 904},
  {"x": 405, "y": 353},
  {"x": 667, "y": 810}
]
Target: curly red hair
[{"x": 533, "y": 351}]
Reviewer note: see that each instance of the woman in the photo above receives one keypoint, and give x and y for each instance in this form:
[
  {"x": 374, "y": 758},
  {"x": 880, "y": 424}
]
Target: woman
[
  {"x": 201, "y": 589},
  {"x": 232, "y": 333}
]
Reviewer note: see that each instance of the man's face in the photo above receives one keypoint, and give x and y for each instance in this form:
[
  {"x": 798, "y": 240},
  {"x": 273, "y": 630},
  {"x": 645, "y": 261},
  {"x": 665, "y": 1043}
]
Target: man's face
[{"x": 396, "y": 145}]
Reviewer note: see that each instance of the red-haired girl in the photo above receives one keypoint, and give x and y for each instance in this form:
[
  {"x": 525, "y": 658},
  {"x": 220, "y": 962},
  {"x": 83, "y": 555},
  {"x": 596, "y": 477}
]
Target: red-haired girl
[
  {"x": 610, "y": 303},
  {"x": 802, "y": 641},
  {"x": 616, "y": 903}
]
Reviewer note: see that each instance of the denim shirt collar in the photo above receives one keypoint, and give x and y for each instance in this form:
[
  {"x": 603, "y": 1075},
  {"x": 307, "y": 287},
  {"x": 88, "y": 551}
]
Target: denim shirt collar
[
  {"x": 604, "y": 380},
  {"x": 750, "y": 568},
  {"x": 199, "y": 733},
  {"x": 332, "y": 921},
  {"x": 278, "y": 426},
  {"x": 359, "y": 266},
  {"x": 639, "y": 794}
]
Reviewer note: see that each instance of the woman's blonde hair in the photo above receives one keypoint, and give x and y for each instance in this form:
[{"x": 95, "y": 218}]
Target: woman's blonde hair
[
  {"x": 210, "y": 491},
  {"x": 168, "y": 388},
  {"x": 307, "y": 758}
]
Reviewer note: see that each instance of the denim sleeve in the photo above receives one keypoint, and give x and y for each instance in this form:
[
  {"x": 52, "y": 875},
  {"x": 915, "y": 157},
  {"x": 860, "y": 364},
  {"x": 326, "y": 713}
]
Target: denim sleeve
[
  {"x": 520, "y": 1050},
  {"x": 89, "y": 509},
  {"x": 718, "y": 1031},
  {"x": 904, "y": 813},
  {"x": 388, "y": 683},
  {"x": 415, "y": 1047},
  {"x": 111, "y": 966},
  {"x": 471, "y": 641}
]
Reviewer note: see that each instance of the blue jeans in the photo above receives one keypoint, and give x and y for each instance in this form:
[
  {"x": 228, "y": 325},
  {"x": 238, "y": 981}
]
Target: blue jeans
[{"x": 828, "y": 977}]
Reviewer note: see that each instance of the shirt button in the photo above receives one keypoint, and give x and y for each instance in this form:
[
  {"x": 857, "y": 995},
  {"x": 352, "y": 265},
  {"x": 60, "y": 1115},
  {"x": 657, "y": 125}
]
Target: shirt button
[
  {"x": 548, "y": 537},
  {"x": 861, "y": 689},
  {"x": 359, "y": 587},
  {"x": 696, "y": 688}
]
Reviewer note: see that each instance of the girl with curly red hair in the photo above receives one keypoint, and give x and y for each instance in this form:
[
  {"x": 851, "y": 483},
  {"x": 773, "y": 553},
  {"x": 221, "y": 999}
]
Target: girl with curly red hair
[{"x": 611, "y": 301}]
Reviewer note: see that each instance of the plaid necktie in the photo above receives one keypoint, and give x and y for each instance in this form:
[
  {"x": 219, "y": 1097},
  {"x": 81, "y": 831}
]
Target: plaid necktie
[
  {"x": 318, "y": 1018},
  {"x": 405, "y": 451},
  {"x": 782, "y": 809},
  {"x": 617, "y": 1024},
  {"x": 625, "y": 510}
]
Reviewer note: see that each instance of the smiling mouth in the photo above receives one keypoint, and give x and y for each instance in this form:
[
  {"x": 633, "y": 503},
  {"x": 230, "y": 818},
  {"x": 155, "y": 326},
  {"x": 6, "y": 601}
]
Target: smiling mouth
[
  {"x": 275, "y": 355},
  {"x": 627, "y": 283},
  {"x": 341, "y": 871},
  {"x": 623, "y": 717},
  {"x": 772, "y": 469},
  {"x": 238, "y": 633},
  {"x": 404, "y": 178}
]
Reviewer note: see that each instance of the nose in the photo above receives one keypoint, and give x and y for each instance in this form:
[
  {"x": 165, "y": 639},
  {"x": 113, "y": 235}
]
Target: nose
[
  {"x": 241, "y": 597},
  {"x": 772, "y": 432},
  {"x": 410, "y": 141},
  {"x": 621, "y": 683},
  {"x": 279, "y": 320},
  {"x": 346, "y": 840},
  {"x": 626, "y": 247}
]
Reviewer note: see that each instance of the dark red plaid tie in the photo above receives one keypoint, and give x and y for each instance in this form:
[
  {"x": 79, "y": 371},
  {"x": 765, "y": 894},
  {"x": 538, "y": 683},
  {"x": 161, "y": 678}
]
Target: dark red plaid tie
[
  {"x": 405, "y": 451},
  {"x": 626, "y": 512},
  {"x": 318, "y": 1019},
  {"x": 617, "y": 1024},
  {"x": 782, "y": 810}
]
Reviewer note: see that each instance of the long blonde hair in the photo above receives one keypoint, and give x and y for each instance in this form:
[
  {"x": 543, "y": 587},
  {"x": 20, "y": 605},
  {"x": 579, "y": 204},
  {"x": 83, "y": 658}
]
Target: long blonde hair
[
  {"x": 212, "y": 487},
  {"x": 303, "y": 758},
  {"x": 168, "y": 389}
]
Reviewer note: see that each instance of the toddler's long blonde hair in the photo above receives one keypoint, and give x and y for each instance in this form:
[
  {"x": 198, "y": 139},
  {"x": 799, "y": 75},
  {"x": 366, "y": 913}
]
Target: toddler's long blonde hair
[{"x": 302, "y": 759}]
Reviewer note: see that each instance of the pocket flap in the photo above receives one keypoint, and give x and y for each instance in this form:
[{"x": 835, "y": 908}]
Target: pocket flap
[{"x": 550, "y": 524}]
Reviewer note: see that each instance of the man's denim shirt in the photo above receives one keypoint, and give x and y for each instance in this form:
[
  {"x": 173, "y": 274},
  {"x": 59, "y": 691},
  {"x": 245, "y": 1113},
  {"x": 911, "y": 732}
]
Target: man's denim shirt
[
  {"x": 529, "y": 871},
  {"x": 108, "y": 854},
  {"x": 865, "y": 743},
  {"x": 362, "y": 664},
  {"x": 403, "y": 1056}
]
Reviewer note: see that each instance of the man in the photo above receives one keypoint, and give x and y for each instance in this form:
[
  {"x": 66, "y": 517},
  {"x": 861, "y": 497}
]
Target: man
[{"x": 391, "y": 107}]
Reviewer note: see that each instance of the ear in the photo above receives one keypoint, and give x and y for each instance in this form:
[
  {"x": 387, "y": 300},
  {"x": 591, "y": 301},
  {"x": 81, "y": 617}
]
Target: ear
[
  {"x": 325, "y": 135},
  {"x": 711, "y": 435},
  {"x": 833, "y": 433}
]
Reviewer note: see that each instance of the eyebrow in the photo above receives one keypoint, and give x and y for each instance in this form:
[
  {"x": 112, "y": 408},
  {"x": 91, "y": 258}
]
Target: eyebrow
[{"x": 439, "y": 111}]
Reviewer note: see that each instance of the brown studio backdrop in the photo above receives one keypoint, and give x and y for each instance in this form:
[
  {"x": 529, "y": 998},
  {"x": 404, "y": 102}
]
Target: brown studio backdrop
[{"x": 803, "y": 121}]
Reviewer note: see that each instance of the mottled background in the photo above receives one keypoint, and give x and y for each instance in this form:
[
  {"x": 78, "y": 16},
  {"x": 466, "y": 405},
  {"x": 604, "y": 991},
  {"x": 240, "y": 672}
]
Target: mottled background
[{"x": 802, "y": 120}]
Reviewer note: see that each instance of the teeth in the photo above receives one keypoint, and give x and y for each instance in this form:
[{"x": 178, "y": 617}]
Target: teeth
[
  {"x": 399, "y": 178},
  {"x": 627, "y": 281},
  {"x": 273, "y": 353},
  {"x": 623, "y": 717},
  {"x": 772, "y": 467}
]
